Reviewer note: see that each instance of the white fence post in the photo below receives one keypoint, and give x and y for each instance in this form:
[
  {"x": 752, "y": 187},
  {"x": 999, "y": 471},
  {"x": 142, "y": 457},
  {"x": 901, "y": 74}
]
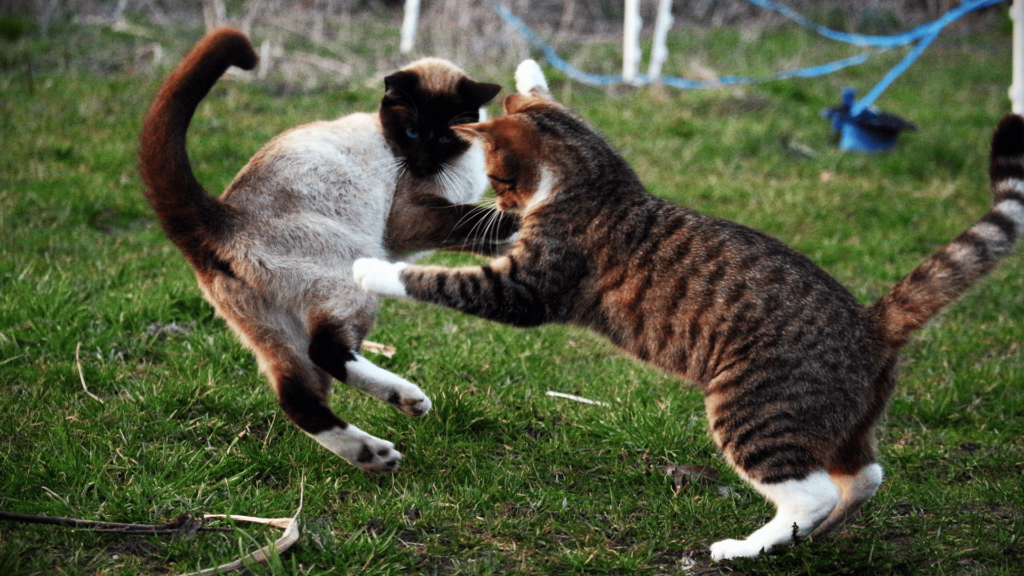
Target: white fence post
[
  {"x": 659, "y": 52},
  {"x": 1017, "y": 88},
  {"x": 631, "y": 43},
  {"x": 409, "y": 23}
]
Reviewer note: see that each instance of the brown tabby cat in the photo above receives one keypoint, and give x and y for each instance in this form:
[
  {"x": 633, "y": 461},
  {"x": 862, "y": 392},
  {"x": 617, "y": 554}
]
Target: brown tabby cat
[
  {"x": 795, "y": 371},
  {"x": 274, "y": 254}
]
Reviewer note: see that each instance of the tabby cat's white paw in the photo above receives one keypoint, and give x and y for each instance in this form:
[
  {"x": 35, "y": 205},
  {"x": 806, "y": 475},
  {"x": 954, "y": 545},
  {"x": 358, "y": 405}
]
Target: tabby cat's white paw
[
  {"x": 380, "y": 277},
  {"x": 728, "y": 549},
  {"x": 530, "y": 78}
]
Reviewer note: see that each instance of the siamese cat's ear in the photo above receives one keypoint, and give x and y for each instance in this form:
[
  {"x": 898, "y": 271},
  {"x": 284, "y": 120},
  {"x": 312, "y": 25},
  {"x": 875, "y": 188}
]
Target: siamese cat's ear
[
  {"x": 398, "y": 87},
  {"x": 476, "y": 94}
]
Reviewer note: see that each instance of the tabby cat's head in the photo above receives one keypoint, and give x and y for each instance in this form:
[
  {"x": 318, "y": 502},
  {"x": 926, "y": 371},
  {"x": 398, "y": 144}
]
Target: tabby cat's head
[
  {"x": 521, "y": 149},
  {"x": 421, "y": 104}
]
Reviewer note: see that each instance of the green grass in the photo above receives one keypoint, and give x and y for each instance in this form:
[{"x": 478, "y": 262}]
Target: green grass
[{"x": 499, "y": 477}]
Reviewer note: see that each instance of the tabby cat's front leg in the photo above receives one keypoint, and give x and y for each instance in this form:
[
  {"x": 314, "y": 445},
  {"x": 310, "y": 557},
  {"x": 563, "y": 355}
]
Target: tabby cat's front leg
[{"x": 501, "y": 291}]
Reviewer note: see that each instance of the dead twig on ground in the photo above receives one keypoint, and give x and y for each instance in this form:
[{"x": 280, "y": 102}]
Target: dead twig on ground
[
  {"x": 82, "y": 376},
  {"x": 183, "y": 524}
]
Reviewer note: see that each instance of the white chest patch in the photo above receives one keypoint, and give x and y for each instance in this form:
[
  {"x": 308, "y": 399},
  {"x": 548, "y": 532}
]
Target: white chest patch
[{"x": 547, "y": 182}]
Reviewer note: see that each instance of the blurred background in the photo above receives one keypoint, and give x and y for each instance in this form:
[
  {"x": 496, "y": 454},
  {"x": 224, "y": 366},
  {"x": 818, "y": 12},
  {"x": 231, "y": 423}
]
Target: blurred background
[{"x": 315, "y": 41}]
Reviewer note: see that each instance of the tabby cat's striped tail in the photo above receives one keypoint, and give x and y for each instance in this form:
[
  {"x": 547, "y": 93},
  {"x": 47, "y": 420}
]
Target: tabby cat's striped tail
[
  {"x": 190, "y": 216},
  {"x": 954, "y": 268}
]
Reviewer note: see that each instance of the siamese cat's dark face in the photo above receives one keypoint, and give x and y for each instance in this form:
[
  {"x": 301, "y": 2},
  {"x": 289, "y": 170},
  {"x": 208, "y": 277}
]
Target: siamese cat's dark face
[{"x": 421, "y": 104}]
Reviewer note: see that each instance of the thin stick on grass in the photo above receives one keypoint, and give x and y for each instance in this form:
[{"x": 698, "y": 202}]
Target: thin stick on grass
[
  {"x": 290, "y": 536},
  {"x": 577, "y": 398},
  {"x": 183, "y": 524},
  {"x": 82, "y": 376}
]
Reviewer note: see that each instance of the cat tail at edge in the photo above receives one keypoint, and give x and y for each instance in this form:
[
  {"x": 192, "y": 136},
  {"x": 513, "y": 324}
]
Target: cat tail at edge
[
  {"x": 190, "y": 216},
  {"x": 973, "y": 254},
  {"x": 530, "y": 80}
]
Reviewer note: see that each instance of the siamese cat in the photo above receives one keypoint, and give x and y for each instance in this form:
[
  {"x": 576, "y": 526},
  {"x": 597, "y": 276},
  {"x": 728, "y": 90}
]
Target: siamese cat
[{"x": 274, "y": 253}]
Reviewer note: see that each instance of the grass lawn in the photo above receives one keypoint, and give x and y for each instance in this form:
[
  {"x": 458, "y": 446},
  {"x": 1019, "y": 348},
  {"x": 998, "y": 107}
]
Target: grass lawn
[{"x": 499, "y": 477}]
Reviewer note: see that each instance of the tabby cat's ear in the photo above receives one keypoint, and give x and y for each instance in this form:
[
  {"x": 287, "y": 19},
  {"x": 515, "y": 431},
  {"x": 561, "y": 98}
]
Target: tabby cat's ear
[
  {"x": 476, "y": 132},
  {"x": 398, "y": 87},
  {"x": 476, "y": 94},
  {"x": 515, "y": 102}
]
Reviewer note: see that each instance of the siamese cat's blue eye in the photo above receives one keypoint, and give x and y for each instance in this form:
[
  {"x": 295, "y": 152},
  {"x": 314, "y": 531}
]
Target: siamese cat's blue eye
[
  {"x": 411, "y": 133},
  {"x": 445, "y": 139}
]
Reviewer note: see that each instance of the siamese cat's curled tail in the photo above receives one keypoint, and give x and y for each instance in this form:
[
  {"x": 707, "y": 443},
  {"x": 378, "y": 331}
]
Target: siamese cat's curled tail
[
  {"x": 191, "y": 218},
  {"x": 973, "y": 254}
]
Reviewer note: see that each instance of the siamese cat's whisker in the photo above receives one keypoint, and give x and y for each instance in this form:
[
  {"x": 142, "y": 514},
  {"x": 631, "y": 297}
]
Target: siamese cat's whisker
[
  {"x": 465, "y": 118},
  {"x": 447, "y": 182},
  {"x": 387, "y": 169},
  {"x": 385, "y": 165},
  {"x": 463, "y": 178},
  {"x": 460, "y": 181}
]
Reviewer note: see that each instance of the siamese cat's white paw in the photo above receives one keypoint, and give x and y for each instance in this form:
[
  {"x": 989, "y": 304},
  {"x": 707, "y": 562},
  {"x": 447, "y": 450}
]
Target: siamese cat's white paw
[
  {"x": 366, "y": 452},
  {"x": 380, "y": 277},
  {"x": 405, "y": 396},
  {"x": 411, "y": 401}
]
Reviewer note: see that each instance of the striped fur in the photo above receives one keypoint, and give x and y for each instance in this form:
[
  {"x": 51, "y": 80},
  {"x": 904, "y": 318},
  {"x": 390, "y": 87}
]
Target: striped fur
[
  {"x": 795, "y": 370},
  {"x": 274, "y": 253}
]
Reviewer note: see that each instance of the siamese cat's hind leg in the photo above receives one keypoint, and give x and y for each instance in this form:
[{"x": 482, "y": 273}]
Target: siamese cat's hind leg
[
  {"x": 303, "y": 396},
  {"x": 281, "y": 342},
  {"x": 405, "y": 396},
  {"x": 334, "y": 347}
]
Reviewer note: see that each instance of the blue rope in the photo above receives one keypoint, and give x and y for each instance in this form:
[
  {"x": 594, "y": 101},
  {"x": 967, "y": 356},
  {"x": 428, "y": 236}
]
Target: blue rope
[
  {"x": 888, "y": 79},
  {"x": 685, "y": 83},
  {"x": 925, "y": 33},
  {"x": 918, "y": 33}
]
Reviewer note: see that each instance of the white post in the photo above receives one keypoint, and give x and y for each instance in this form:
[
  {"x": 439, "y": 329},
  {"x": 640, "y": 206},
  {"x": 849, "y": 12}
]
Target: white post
[
  {"x": 409, "y": 22},
  {"x": 1017, "y": 88},
  {"x": 264, "y": 59},
  {"x": 631, "y": 43},
  {"x": 659, "y": 53}
]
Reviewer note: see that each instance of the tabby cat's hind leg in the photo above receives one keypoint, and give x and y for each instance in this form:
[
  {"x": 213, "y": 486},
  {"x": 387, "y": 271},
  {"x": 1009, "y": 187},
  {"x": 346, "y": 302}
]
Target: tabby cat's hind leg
[
  {"x": 854, "y": 490},
  {"x": 802, "y": 505}
]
